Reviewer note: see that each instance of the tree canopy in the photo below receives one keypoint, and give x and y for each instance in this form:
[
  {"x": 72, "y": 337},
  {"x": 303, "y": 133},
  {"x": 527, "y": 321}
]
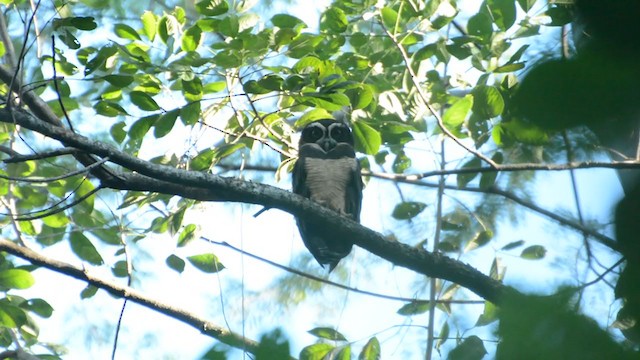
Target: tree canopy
[{"x": 129, "y": 125}]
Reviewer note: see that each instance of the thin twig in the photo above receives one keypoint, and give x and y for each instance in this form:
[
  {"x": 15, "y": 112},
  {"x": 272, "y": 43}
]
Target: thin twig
[
  {"x": 55, "y": 83},
  {"x": 36, "y": 179},
  {"x": 205, "y": 327},
  {"x": 425, "y": 99},
  {"x": 53, "y": 211},
  {"x": 329, "y": 282},
  {"x": 17, "y": 157}
]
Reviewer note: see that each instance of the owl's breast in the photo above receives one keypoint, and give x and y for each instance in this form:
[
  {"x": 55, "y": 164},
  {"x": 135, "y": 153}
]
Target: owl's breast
[{"x": 328, "y": 180}]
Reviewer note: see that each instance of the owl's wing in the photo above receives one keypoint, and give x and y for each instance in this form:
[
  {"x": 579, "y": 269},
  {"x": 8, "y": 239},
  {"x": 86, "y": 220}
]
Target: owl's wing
[
  {"x": 353, "y": 195},
  {"x": 299, "y": 178}
]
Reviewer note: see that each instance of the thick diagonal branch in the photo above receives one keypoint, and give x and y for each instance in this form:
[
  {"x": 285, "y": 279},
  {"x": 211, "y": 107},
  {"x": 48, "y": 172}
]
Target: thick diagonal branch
[{"x": 208, "y": 187}]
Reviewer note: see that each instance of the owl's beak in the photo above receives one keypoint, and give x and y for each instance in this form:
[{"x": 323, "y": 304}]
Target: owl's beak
[{"x": 328, "y": 144}]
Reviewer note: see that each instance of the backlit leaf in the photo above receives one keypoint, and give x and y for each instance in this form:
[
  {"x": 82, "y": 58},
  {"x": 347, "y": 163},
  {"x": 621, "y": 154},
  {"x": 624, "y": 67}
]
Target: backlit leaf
[
  {"x": 16, "y": 279},
  {"x": 368, "y": 139},
  {"x": 408, "y": 210},
  {"x": 84, "y": 249},
  {"x": 327, "y": 333},
  {"x": 534, "y": 252},
  {"x": 207, "y": 263}
]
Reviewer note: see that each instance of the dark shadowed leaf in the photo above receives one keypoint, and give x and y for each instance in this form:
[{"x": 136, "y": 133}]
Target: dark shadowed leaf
[
  {"x": 39, "y": 306},
  {"x": 534, "y": 252},
  {"x": 176, "y": 263},
  {"x": 327, "y": 333},
  {"x": 84, "y": 249},
  {"x": 487, "y": 101},
  {"x": 165, "y": 123},
  {"x": 88, "y": 292},
  {"x": 286, "y": 21},
  {"x": 143, "y": 101},
  {"x": 334, "y": 20},
  {"x": 504, "y": 12},
  {"x": 472, "y": 348},
  {"x": 513, "y": 245},
  {"x": 414, "y": 308},
  {"x": 408, "y": 210}
]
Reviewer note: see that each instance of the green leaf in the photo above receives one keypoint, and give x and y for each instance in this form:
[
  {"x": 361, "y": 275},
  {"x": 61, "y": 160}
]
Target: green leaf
[
  {"x": 191, "y": 38},
  {"x": 285, "y": 21},
  {"x": 504, "y": 12},
  {"x": 120, "y": 269},
  {"x": 389, "y": 18},
  {"x": 315, "y": 351},
  {"x": 360, "y": 97},
  {"x": 16, "y": 279},
  {"x": 526, "y": 5},
  {"x": 465, "y": 178},
  {"x": 57, "y": 220},
  {"x": 165, "y": 123},
  {"x": 193, "y": 89},
  {"x": 368, "y": 139},
  {"x": 311, "y": 116},
  {"x": 149, "y": 24},
  {"x": 457, "y": 113},
  {"x": 83, "y": 189},
  {"x": 471, "y": 348},
  {"x": 117, "y": 132},
  {"x": 175, "y": 263},
  {"x": 190, "y": 114},
  {"x": 84, "y": 249},
  {"x": 126, "y": 32},
  {"x": 534, "y": 252},
  {"x": 480, "y": 239},
  {"x": 371, "y": 350},
  {"x": 414, "y": 308},
  {"x": 334, "y": 20},
  {"x": 513, "y": 245},
  {"x": 327, "y": 333},
  {"x": 489, "y": 315},
  {"x": 109, "y": 109},
  {"x": 88, "y": 292},
  {"x": 408, "y": 210},
  {"x": 143, "y": 101},
  {"x": 119, "y": 81},
  {"x": 11, "y": 316},
  {"x": 207, "y": 263},
  {"x": 480, "y": 25},
  {"x": 140, "y": 128},
  {"x": 212, "y": 7},
  {"x": 39, "y": 307},
  {"x": 271, "y": 82},
  {"x": 487, "y": 101},
  {"x": 187, "y": 234},
  {"x": 401, "y": 163},
  {"x": 85, "y": 23},
  {"x": 488, "y": 179},
  {"x": 509, "y": 68}
]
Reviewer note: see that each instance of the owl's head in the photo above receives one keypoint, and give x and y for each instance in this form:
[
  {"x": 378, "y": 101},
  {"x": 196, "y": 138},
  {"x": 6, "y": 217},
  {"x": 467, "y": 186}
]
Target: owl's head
[{"x": 327, "y": 134}]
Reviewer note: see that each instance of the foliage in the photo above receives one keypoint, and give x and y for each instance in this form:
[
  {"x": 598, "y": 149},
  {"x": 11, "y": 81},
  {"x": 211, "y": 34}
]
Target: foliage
[{"x": 213, "y": 85}]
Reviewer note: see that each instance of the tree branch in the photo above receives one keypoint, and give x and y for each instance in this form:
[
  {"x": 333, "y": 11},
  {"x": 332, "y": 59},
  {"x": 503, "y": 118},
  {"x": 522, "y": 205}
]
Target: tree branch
[
  {"x": 206, "y": 327},
  {"x": 208, "y": 187}
]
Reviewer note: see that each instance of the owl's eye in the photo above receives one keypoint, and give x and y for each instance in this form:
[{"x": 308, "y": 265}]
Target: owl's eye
[
  {"x": 340, "y": 134},
  {"x": 313, "y": 134}
]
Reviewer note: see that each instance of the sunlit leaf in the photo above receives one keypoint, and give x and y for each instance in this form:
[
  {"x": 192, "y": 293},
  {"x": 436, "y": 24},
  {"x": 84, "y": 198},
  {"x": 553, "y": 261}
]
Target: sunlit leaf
[
  {"x": 125, "y": 31},
  {"x": 480, "y": 239},
  {"x": 16, "y": 279},
  {"x": 371, "y": 350},
  {"x": 191, "y": 38},
  {"x": 207, "y": 263},
  {"x": 315, "y": 351},
  {"x": 287, "y": 21},
  {"x": 212, "y": 7},
  {"x": 487, "y": 101},
  {"x": 149, "y": 25},
  {"x": 457, "y": 113},
  {"x": 311, "y": 116},
  {"x": 368, "y": 139},
  {"x": 334, "y": 20}
]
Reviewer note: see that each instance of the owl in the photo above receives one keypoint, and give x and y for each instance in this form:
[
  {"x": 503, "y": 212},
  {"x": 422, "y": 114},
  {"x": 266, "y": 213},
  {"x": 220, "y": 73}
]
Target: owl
[{"x": 328, "y": 173}]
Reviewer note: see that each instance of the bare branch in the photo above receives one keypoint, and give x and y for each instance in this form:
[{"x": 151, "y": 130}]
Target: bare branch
[{"x": 16, "y": 157}]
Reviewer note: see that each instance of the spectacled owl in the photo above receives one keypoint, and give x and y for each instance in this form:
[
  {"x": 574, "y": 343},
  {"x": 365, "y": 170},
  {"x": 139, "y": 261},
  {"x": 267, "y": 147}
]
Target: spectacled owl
[{"x": 328, "y": 173}]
